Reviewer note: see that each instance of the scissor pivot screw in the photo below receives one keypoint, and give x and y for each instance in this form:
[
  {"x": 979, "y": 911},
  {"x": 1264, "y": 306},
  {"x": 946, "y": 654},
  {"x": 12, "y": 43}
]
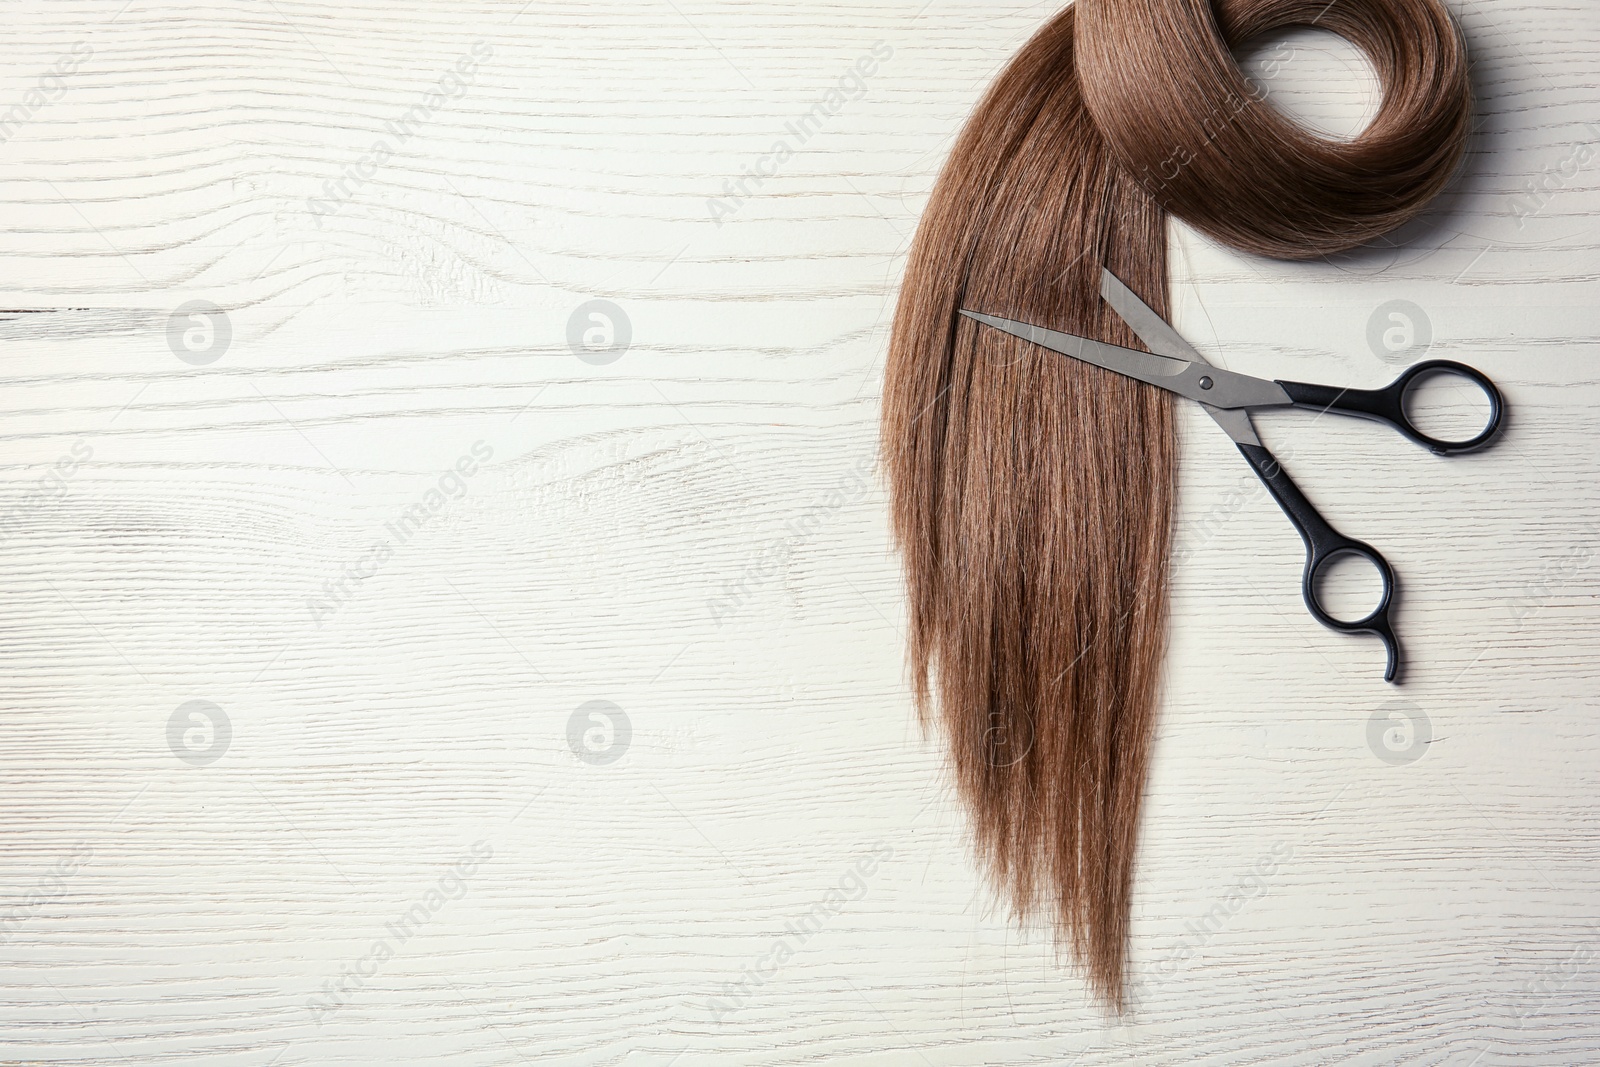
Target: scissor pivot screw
[{"x": 1205, "y": 382}]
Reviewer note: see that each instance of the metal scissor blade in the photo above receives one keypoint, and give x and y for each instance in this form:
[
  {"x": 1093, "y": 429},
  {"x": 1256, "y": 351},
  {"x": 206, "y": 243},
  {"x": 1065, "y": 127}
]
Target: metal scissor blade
[
  {"x": 1218, "y": 388},
  {"x": 1156, "y": 332},
  {"x": 1200, "y": 382},
  {"x": 1129, "y": 361},
  {"x": 1235, "y": 422}
]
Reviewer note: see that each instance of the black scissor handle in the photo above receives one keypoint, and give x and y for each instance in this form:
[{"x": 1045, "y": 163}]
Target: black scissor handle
[
  {"x": 1324, "y": 544},
  {"x": 1389, "y": 403}
]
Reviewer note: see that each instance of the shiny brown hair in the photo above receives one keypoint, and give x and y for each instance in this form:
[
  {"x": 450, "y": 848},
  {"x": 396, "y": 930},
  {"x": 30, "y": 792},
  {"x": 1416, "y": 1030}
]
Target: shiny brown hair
[{"x": 1032, "y": 495}]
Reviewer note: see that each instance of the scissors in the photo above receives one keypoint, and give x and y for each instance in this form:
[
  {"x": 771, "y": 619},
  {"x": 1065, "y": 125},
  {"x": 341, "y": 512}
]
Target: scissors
[{"x": 1229, "y": 397}]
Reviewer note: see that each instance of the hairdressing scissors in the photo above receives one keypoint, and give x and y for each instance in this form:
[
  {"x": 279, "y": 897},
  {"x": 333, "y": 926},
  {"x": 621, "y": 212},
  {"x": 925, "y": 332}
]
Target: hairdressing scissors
[{"x": 1229, "y": 397}]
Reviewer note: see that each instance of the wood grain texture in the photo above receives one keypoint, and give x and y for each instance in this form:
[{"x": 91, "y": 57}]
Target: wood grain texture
[{"x": 695, "y": 533}]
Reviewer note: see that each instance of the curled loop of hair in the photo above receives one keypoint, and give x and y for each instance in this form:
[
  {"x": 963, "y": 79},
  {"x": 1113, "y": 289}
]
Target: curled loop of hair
[
  {"x": 1032, "y": 495},
  {"x": 1184, "y": 122}
]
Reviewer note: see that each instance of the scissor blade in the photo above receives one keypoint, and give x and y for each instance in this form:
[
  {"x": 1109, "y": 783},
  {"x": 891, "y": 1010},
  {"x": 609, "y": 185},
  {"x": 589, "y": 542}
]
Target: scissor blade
[
  {"x": 1227, "y": 391},
  {"x": 1129, "y": 361},
  {"x": 1156, "y": 332},
  {"x": 1235, "y": 422},
  {"x": 1200, "y": 382}
]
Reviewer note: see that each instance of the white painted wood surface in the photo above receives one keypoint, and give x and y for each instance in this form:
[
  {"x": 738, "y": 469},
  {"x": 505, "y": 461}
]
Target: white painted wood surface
[{"x": 694, "y": 532}]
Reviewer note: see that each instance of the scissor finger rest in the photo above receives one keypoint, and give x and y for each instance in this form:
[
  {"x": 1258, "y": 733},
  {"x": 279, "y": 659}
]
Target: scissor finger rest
[
  {"x": 1324, "y": 544},
  {"x": 1389, "y": 403}
]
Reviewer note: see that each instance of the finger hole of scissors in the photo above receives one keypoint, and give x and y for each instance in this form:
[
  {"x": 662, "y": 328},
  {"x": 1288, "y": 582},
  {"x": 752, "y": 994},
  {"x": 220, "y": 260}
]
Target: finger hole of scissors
[
  {"x": 1447, "y": 406},
  {"x": 1348, "y": 587}
]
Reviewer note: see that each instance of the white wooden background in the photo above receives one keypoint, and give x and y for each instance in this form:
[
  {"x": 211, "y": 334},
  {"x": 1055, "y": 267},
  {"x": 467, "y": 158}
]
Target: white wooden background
[{"x": 1333, "y": 870}]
